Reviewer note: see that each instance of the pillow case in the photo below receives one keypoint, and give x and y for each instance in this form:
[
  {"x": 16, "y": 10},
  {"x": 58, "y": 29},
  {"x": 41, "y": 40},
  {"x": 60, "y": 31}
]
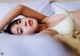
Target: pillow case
[{"x": 70, "y": 6}]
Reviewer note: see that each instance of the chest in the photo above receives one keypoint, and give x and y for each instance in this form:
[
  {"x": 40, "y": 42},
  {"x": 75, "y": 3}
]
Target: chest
[{"x": 62, "y": 24}]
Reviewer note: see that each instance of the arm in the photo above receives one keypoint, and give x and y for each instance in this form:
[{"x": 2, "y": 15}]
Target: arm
[
  {"x": 27, "y": 12},
  {"x": 19, "y": 10}
]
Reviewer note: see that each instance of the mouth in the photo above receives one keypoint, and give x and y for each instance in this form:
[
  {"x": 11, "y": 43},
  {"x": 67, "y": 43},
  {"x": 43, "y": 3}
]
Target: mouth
[{"x": 30, "y": 22}]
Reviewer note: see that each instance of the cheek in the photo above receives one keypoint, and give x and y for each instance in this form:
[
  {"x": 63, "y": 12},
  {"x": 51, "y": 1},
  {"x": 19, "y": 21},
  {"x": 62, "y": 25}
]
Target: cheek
[{"x": 28, "y": 30}]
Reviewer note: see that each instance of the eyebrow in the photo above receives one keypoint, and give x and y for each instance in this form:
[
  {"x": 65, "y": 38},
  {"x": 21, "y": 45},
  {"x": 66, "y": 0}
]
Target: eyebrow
[{"x": 18, "y": 21}]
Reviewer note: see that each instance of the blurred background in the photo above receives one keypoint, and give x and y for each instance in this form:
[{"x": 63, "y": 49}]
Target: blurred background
[
  {"x": 64, "y": 0},
  {"x": 36, "y": 0}
]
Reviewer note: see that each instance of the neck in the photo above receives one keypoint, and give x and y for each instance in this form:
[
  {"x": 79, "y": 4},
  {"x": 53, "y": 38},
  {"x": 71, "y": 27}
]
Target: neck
[{"x": 41, "y": 27}]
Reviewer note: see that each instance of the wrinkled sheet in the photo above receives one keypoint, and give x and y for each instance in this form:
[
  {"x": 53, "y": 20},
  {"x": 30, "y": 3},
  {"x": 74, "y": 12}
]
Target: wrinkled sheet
[{"x": 31, "y": 45}]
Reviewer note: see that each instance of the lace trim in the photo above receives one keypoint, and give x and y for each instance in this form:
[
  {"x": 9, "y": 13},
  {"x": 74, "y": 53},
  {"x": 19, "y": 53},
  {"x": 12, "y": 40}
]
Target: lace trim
[{"x": 76, "y": 34}]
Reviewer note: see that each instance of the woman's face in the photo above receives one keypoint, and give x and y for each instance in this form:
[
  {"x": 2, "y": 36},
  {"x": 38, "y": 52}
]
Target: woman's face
[{"x": 24, "y": 26}]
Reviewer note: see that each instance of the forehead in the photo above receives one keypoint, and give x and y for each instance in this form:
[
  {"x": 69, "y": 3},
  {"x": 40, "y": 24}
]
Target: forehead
[{"x": 26, "y": 18}]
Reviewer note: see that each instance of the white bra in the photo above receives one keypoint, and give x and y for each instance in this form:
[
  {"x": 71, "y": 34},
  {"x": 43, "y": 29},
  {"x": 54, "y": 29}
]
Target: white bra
[{"x": 67, "y": 25}]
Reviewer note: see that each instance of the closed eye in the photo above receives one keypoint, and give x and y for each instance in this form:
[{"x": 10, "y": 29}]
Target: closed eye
[
  {"x": 18, "y": 21},
  {"x": 19, "y": 30}
]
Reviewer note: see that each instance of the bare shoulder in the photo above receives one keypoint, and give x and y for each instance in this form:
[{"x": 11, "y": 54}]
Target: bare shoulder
[
  {"x": 76, "y": 14},
  {"x": 76, "y": 11}
]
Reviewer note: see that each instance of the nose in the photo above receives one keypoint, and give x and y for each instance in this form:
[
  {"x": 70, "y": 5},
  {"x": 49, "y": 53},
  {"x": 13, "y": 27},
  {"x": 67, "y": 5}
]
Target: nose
[{"x": 25, "y": 23}]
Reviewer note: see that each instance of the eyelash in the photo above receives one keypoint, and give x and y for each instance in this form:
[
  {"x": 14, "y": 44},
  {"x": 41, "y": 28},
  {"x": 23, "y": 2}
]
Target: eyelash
[
  {"x": 21, "y": 30},
  {"x": 18, "y": 21}
]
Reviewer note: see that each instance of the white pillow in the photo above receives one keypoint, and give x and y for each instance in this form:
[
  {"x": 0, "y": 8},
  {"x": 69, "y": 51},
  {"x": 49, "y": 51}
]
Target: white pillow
[{"x": 70, "y": 6}]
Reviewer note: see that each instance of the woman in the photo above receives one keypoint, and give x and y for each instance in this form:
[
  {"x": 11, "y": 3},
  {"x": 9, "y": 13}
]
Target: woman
[{"x": 33, "y": 21}]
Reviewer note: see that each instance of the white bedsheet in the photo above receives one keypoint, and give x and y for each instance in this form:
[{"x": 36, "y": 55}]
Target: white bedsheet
[{"x": 37, "y": 45}]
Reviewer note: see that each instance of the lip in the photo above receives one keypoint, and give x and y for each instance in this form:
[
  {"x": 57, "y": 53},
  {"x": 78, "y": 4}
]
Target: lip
[{"x": 30, "y": 22}]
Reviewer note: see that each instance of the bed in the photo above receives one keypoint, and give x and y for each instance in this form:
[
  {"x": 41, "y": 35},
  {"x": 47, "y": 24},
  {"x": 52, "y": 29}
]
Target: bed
[{"x": 38, "y": 44}]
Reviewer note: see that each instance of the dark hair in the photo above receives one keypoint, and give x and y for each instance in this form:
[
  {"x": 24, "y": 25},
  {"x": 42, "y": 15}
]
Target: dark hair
[{"x": 8, "y": 28}]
